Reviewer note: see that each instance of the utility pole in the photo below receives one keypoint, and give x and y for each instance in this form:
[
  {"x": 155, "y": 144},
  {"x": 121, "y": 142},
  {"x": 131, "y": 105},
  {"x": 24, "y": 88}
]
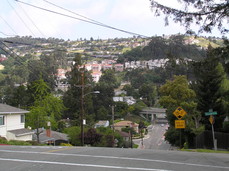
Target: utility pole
[
  {"x": 82, "y": 109},
  {"x": 112, "y": 108}
]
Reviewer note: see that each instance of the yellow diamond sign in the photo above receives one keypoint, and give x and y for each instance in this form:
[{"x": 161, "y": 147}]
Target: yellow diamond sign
[
  {"x": 179, "y": 124},
  {"x": 179, "y": 113},
  {"x": 211, "y": 119}
]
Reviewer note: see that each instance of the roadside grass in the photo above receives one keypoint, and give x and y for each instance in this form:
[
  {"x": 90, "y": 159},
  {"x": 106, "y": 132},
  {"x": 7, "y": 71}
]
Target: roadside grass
[{"x": 205, "y": 151}]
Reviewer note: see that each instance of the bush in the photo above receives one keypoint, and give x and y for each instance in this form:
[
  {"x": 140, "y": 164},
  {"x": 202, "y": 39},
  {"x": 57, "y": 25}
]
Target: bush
[
  {"x": 185, "y": 145},
  {"x": 16, "y": 142},
  {"x": 3, "y": 140},
  {"x": 33, "y": 142}
]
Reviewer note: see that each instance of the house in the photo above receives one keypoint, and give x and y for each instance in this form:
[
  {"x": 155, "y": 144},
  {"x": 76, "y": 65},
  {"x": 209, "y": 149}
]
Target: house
[
  {"x": 12, "y": 123},
  {"x": 119, "y": 67},
  {"x": 96, "y": 76},
  {"x": 102, "y": 124},
  {"x": 107, "y": 66},
  {"x": 125, "y": 124},
  {"x": 125, "y": 135},
  {"x": 48, "y": 136}
]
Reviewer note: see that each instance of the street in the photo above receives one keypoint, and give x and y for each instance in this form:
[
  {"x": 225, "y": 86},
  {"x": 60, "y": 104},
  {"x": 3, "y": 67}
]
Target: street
[
  {"x": 37, "y": 158},
  {"x": 155, "y": 138}
]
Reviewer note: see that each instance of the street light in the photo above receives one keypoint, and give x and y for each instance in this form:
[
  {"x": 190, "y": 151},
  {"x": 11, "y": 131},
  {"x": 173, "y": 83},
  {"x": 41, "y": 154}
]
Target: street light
[{"x": 82, "y": 113}]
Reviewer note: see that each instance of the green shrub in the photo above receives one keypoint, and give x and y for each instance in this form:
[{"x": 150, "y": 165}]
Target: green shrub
[
  {"x": 16, "y": 142},
  {"x": 3, "y": 140}
]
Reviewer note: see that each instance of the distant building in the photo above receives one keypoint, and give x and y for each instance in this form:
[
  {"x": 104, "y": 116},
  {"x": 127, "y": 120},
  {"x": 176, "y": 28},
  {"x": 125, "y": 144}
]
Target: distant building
[
  {"x": 107, "y": 66},
  {"x": 96, "y": 76},
  {"x": 102, "y": 124},
  {"x": 118, "y": 67},
  {"x": 51, "y": 137},
  {"x": 126, "y": 124}
]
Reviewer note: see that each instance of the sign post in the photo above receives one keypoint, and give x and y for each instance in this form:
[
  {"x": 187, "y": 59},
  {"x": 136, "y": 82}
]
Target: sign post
[
  {"x": 179, "y": 113},
  {"x": 212, "y": 121},
  {"x": 180, "y": 124}
]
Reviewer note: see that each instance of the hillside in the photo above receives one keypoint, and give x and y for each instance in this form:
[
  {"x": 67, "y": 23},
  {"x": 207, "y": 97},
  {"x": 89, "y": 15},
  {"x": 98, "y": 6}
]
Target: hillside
[{"x": 178, "y": 46}]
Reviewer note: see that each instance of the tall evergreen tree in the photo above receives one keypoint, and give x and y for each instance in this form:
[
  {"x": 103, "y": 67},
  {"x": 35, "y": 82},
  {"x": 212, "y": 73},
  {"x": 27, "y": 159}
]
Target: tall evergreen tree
[
  {"x": 78, "y": 78},
  {"x": 210, "y": 75}
]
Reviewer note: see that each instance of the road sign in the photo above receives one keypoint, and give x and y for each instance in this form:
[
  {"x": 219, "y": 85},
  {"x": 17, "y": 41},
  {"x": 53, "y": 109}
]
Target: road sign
[
  {"x": 179, "y": 124},
  {"x": 210, "y": 113},
  {"x": 211, "y": 119},
  {"x": 179, "y": 113}
]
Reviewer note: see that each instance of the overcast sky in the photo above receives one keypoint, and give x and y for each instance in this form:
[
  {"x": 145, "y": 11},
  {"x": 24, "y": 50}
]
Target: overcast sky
[{"x": 129, "y": 15}]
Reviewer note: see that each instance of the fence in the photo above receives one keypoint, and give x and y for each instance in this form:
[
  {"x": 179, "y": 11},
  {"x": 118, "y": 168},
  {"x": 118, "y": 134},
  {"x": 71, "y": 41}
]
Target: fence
[{"x": 205, "y": 140}]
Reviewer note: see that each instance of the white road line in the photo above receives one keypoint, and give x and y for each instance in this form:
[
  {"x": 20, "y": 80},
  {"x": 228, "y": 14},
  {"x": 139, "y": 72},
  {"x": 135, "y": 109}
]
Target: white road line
[
  {"x": 82, "y": 165},
  {"x": 120, "y": 158}
]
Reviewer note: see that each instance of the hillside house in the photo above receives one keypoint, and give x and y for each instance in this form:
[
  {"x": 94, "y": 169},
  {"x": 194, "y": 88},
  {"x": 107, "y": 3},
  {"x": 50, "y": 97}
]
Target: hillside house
[
  {"x": 12, "y": 123},
  {"x": 96, "y": 76},
  {"x": 102, "y": 124},
  {"x": 126, "y": 124},
  {"x": 118, "y": 67}
]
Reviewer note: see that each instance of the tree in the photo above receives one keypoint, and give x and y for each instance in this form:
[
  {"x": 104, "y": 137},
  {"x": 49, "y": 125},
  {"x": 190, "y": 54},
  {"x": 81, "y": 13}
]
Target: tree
[
  {"x": 207, "y": 14},
  {"x": 175, "y": 93},
  {"x": 109, "y": 78},
  {"x": 148, "y": 94},
  {"x": 92, "y": 137},
  {"x": 46, "y": 108},
  {"x": 79, "y": 80},
  {"x": 210, "y": 75}
]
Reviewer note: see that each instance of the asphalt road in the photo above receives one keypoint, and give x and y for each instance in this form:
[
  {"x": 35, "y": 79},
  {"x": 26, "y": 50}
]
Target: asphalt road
[
  {"x": 32, "y": 158},
  {"x": 155, "y": 138}
]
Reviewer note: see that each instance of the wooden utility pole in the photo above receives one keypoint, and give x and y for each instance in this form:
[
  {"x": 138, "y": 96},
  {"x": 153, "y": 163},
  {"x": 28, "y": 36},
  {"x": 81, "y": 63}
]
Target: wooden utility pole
[
  {"x": 112, "y": 108},
  {"x": 82, "y": 109}
]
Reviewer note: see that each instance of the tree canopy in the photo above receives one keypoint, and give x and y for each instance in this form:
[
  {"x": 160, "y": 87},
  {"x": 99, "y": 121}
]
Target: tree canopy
[{"x": 205, "y": 13}]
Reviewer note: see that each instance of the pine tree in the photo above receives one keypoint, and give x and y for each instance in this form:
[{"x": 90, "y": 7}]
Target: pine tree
[{"x": 210, "y": 75}]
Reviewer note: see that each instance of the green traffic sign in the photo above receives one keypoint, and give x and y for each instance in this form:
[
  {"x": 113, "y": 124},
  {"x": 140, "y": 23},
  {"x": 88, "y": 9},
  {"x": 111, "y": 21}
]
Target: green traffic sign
[{"x": 210, "y": 113}]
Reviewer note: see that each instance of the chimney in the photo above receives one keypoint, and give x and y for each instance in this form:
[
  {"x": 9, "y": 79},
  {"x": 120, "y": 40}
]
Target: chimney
[{"x": 48, "y": 132}]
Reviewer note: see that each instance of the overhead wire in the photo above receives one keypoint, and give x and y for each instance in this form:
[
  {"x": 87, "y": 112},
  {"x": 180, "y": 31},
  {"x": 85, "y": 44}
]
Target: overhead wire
[
  {"x": 21, "y": 19},
  {"x": 7, "y": 34},
  {"x": 19, "y": 62},
  {"x": 32, "y": 21},
  {"x": 84, "y": 20},
  {"x": 75, "y": 13},
  {"x": 29, "y": 44},
  {"x": 8, "y": 24}
]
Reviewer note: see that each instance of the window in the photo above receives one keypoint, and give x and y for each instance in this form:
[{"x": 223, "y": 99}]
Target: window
[
  {"x": 22, "y": 118},
  {"x": 2, "y": 120}
]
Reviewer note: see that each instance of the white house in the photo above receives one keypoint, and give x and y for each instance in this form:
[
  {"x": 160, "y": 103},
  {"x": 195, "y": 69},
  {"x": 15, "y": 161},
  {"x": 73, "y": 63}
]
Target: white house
[
  {"x": 102, "y": 124},
  {"x": 12, "y": 123}
]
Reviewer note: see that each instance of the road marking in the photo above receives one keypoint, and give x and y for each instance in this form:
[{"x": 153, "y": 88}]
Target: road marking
[
  {"x": 119, "y": 158},
  {"x": 82, "y": 165},
  {"x": 62, "y": 149},
  {"x": 42, "y": 147}
]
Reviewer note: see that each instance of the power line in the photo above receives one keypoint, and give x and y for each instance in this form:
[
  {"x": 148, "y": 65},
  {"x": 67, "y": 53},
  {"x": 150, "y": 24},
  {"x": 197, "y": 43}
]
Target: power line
[
  {"x": 8, "y": 24},
  {"x": 32, "y": 21},
  {"x": 29, "y": 44},
  {"x": 75, "y": 13},
  {"x": 21, "y": 19},
  {"x": 7, "y": 34},
  {"x": 19, "y": 62},
  {"x": 91, "y": 22}
]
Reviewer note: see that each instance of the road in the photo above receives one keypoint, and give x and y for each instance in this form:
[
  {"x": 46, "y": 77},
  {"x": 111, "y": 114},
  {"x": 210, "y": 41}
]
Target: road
[
  {"x": 155, "y": 138},
  {"x": 32, "y": 158}
]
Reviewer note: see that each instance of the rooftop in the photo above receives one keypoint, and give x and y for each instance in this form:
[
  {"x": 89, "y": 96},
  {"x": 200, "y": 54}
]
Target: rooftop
[{"x": 6, "y": 109}]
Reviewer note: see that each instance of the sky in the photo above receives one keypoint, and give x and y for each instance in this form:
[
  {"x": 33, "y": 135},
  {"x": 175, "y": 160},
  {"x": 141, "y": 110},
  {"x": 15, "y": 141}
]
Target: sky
[{"x": 130, "y": 15}]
